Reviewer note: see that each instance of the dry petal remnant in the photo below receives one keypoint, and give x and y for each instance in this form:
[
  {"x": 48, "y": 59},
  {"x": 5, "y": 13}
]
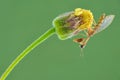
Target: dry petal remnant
[{"x": 87, "y": 18}]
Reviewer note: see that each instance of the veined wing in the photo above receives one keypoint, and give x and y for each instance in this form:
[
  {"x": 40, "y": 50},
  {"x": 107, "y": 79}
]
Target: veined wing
[{"x": 106, "y": 22}]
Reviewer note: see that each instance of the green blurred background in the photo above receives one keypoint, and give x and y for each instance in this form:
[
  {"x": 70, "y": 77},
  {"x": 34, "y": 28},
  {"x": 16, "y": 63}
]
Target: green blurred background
[{"x": 22, "y": 21}]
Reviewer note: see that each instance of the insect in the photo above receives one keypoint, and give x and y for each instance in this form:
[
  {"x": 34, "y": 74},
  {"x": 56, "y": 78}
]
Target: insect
[{"x": 103, "y": 23}]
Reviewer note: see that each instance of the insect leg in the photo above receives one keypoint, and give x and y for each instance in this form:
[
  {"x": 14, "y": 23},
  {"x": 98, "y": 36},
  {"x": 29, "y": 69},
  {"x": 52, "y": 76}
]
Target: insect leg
[
  {"x": 97, "y": 26},
  {"x": 94, "y": 22},
  {"x": 85, "y": 42}
]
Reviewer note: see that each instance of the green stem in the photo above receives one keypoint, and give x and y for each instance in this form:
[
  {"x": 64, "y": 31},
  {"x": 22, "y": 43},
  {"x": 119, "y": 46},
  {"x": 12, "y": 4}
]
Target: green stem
[{"x": 26, "y": 51}]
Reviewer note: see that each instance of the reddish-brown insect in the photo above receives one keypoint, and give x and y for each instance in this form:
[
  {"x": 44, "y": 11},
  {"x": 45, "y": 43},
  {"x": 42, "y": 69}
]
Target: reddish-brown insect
[{"x": 102, "y": 24}]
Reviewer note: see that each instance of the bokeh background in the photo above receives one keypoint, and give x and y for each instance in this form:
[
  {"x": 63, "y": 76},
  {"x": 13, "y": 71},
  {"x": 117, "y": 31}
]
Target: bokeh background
[{"x": 23, "y": 21}]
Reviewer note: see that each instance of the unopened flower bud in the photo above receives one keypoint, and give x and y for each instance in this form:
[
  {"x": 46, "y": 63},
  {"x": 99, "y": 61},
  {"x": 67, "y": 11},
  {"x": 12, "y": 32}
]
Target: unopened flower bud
[{"x": 71, "y": 23}]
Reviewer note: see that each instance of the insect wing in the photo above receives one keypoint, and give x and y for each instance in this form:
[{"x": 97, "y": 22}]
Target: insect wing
[{"x": 106, "y": 22}]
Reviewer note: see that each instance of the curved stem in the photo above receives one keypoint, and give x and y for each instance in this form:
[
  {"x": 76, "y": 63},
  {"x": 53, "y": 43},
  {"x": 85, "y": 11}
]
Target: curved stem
[{"x": 26, "y": 51}]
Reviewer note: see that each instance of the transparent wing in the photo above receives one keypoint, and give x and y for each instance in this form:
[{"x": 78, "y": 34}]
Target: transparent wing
[{"x": 106, "y": 22}]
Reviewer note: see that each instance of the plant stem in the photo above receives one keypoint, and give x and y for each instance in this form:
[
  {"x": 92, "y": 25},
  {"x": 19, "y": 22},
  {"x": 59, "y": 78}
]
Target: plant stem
[{"x": 42, "y": 38}]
